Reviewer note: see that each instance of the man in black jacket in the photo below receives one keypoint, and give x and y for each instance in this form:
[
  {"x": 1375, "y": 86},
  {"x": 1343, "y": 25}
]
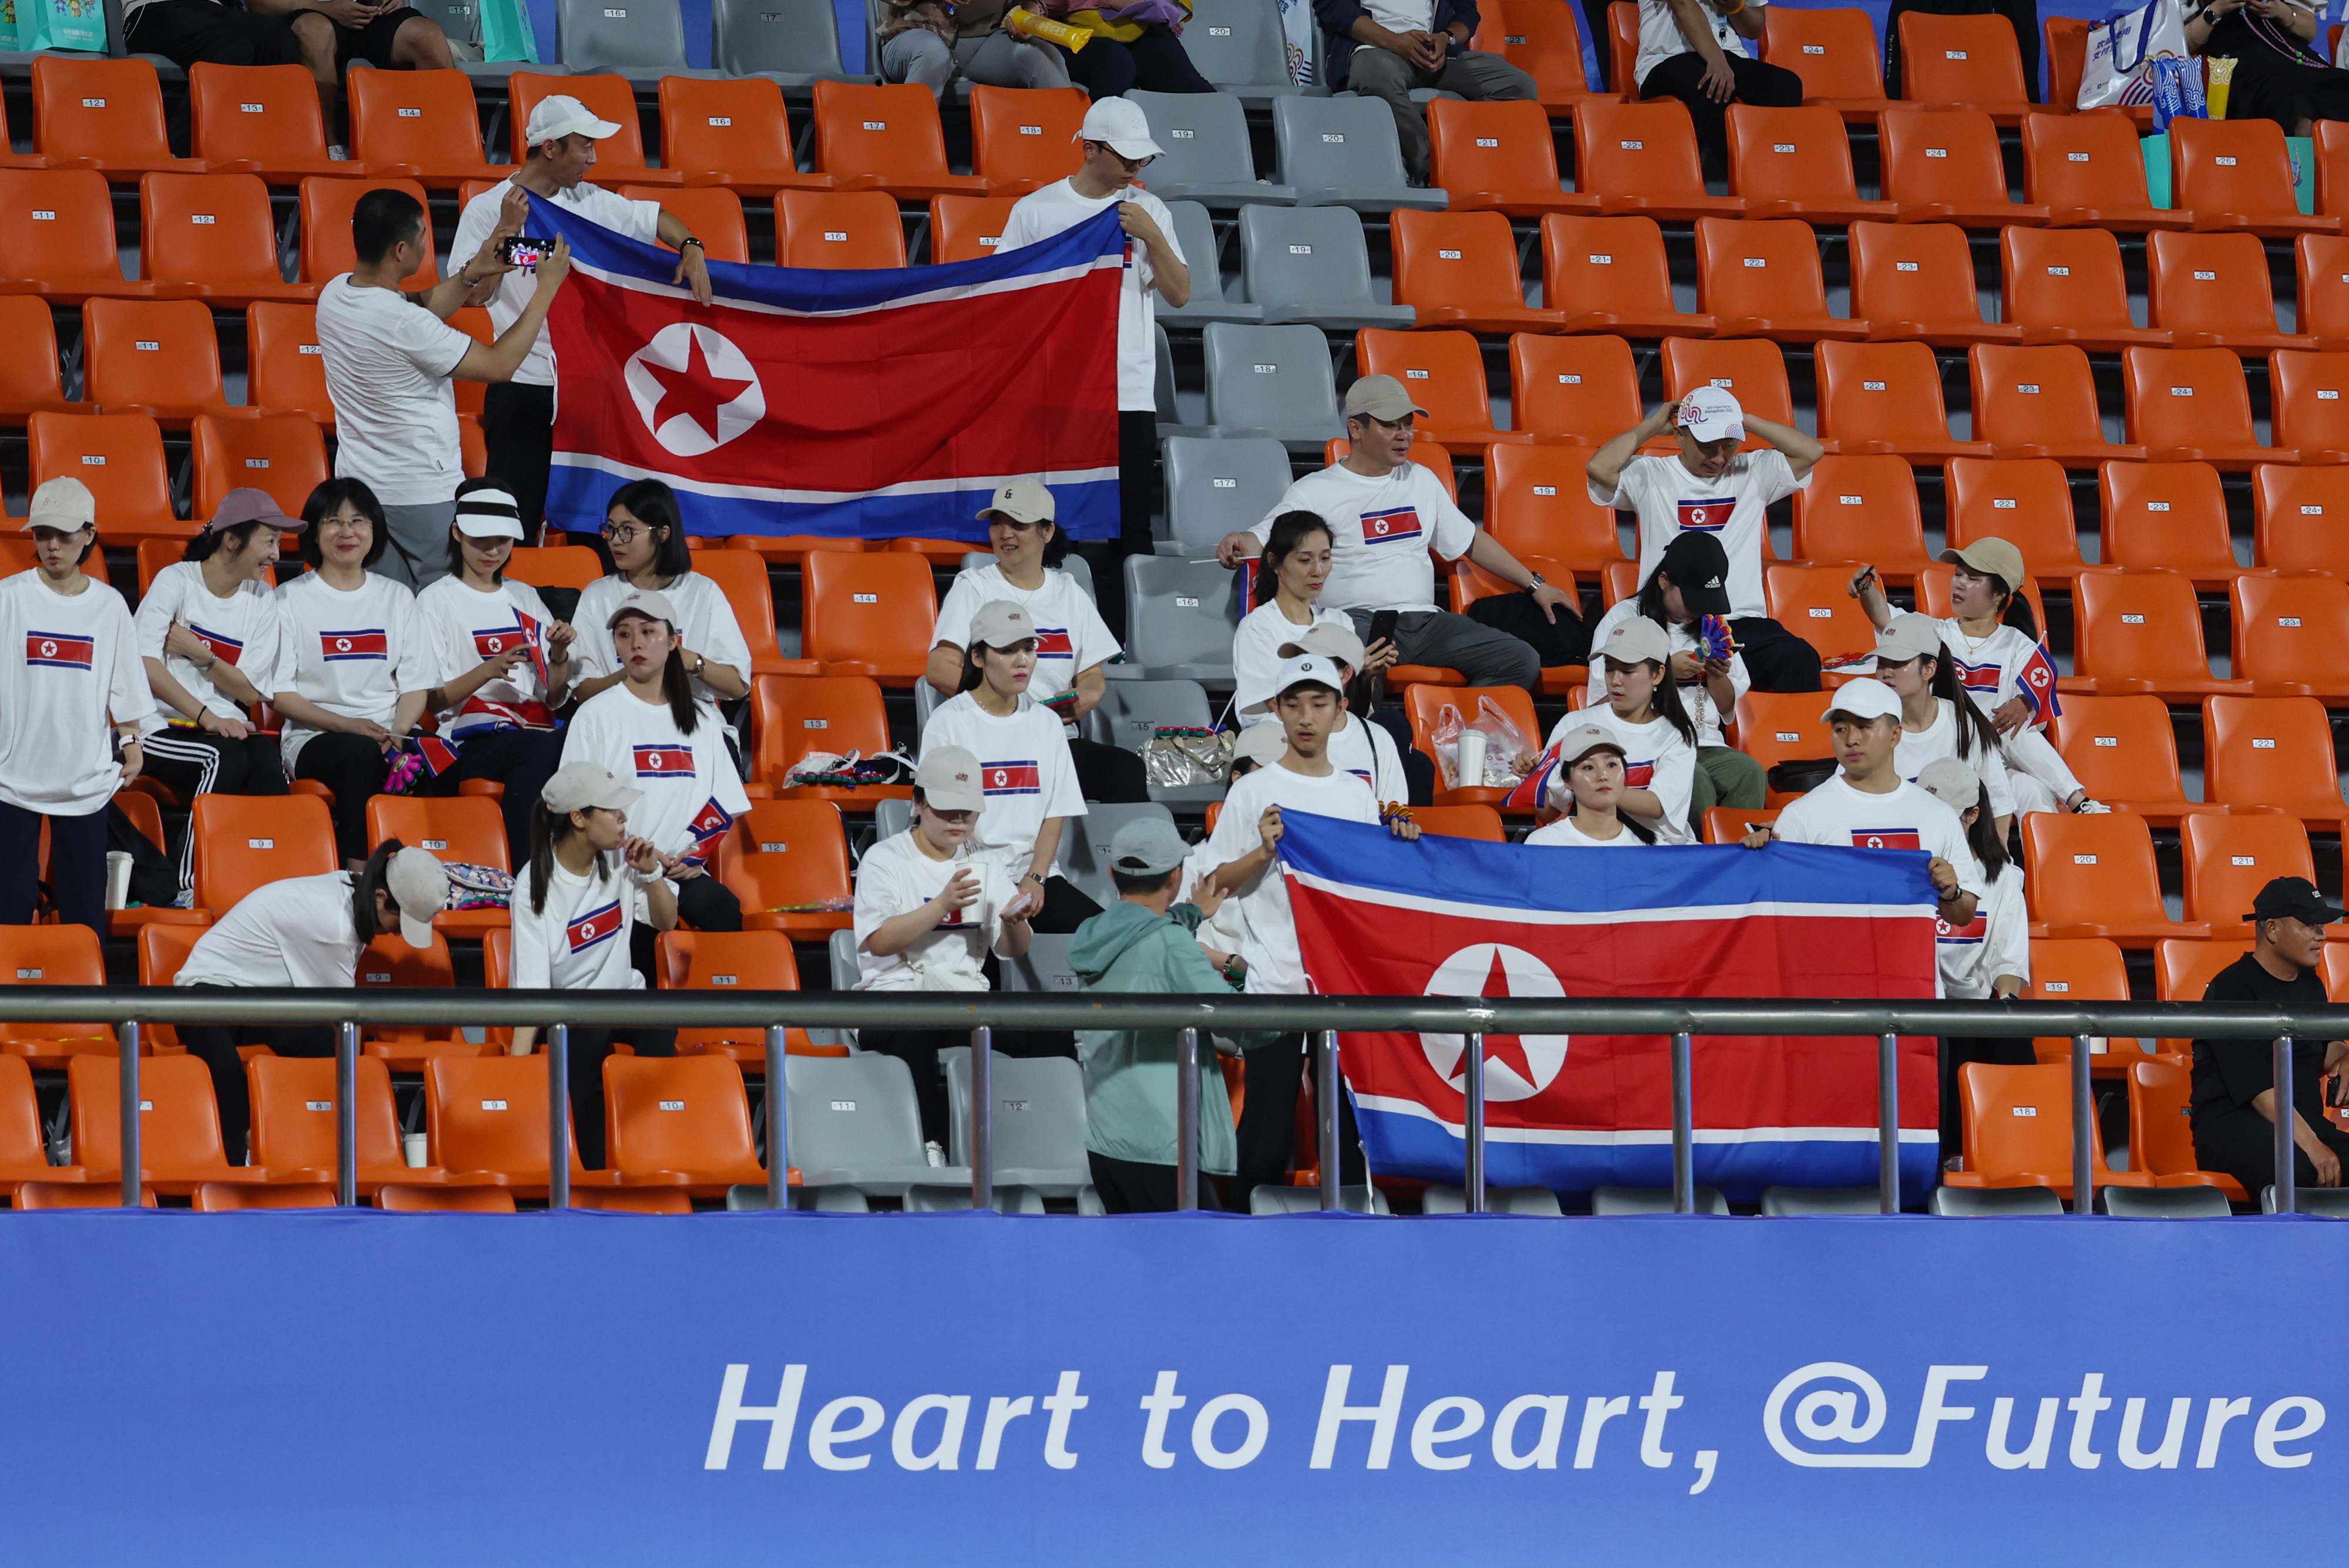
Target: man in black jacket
[{"x": 1386, "y": 48}]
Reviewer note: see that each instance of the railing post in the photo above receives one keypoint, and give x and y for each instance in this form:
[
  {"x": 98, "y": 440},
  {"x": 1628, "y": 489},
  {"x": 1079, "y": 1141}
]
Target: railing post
[
  {"x": 1473, "y": 1060},
  {"x": 558, "y": 1116},
  {"x": 2287, "y": 1193},
  {"x": 1888, "y": 1124},
  {"x": 132, "y": 1161},
  {"x": 1187, "y": 1118},
  {"x": 1325, "y": 1095},
  {"x": 1683, "y": 1126},
  {"x": 346, "y": 1113},
  {"x": 779, "y": 1129},
  {"x": 2083, "y": 1124},
  {"x": 982, "y": 1117}
]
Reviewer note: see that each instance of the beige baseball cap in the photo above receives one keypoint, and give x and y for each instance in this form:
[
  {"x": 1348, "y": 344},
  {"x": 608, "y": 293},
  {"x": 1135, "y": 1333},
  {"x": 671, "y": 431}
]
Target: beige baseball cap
[
  {"x": 1382, "y": 397},
  {"x": 948, "y": 780},
  {"x": 588, "y": 787},
  {"x": 1262, "y": 744},
  {"x": 1952, "y": 782},
  {"x": 1907, "y": 637},
  {"x": 418, "y": 884},
  {"x": 63, "y": 504},
  {"x": 1330, "y": 639},
  {"x": 1638, "y": 639},
  {"x": 1584, "y": 739},
  {"x": 650, "y": 603},
  {"x": 1993, "y": 556},
  {"x": 1024, "y": 500},
  {"x": 1000, "y": 623}
]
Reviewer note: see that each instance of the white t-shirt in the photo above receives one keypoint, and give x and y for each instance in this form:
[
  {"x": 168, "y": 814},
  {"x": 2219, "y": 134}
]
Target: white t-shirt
[
  {"x": 1266, "y": 929},
  {"x": 581, "y": 942},
  {"x": 1563, "y": 834},
  {"x": 705, "y": 616},
  {"x": 1041, "y": 215},
  {"x": 1024, "y": 767},
  {"x": 1669, "y": 498},
  {"x": 1996, "y": 942},
  {"x": 351, "y": 653},
  {"x": 66, "y": 664},
  {"x": 388, "y": 365},
  {"x": 1696, "y": 696},
  {"x": 1997, "y": 668},
  {"x": 689, "y": 782},
  {"x": 895, "y": 877},
  {"x": 242, "y": 628},
  {"x": 1906, "y": 818},
  {"x": 1071, "y": 635},
  {"x": 1256, "y": 653},
  {"x": 1402, "y": 16},
  {"x": 1660, "y": 39},
  {"x": 297, "y": 930},
  {"x": 1921, "y": 748},
  {"x": 1366, "y": 751},
  {"x": 467, "y": 627},
  {"x": 637, "y": 220},
  {"x": 1656, "y": 757},
  {"x": 1379, "y": 533}
]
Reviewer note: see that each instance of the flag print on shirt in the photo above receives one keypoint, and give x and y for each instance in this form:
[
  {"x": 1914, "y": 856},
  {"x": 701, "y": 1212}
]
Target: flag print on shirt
[
  {"x": 58, "y": 650},
  {"x": 664, "y": 762},
  {"x": 1977, "y": 676},
  {"x": 338, "y": 647},
  {"x": 1054, "y": 642},
  {"x": 1011, "y": 778},
  {"x": 1395, "y": 526},
  {"x": 1709, "y": 515},
  {"x": 595, "y": 927},
  {"x": 1969, "y": 935},
  {"x": 1639, "y": 775},
  {"x": 225, "y": 649},
  {"x": 1885, "y": 838}
]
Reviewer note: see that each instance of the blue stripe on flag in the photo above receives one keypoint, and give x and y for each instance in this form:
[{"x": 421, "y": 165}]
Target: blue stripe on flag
[{"x": 1087, "y": 511}]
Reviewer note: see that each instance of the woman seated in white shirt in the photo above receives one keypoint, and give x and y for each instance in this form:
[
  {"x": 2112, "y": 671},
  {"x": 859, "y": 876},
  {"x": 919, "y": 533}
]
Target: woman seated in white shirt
[
  {"x": 1936, "y": 719},
  {"x": 644, "y": 533},
  {"x": 1990, "y": 955},
  {"x": 1591, "y": 768},
  {"x": 587, "y": 909},
  {"x": 1072, "y": 642},
  {"x": 1289, "y": 579},
  {"x": 1643, "y": 712}
]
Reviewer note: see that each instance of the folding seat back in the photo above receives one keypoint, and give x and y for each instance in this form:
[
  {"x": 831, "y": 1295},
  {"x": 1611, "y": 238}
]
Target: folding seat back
[
  {"x": 2272, "y": 754},
  {"x": 869, "y": 614},
  {"x": 1455, "y": 265},
  {"x": 2183, "y": 973},
  {"x": 2321, "y": 275},
  {"x": 212, "y": 229},
  {"x": 56, "y": 225},
  {"x": 554, "y": 565},
  {"x": 807, "y": 834},
  {"x": 2292, "y": 627},
  {"x": 741, "y": 576},
  {"x": 688, "y": 1115},
  {"x": 2210, "y": 287},
  {"x": 1537, "y": 503},
  {"x": 1442, "y": 371},
  {"x": 1967, "y": 60},
  {"x": 423, "y": 122},
  {"x": 465, "y": 828},
  {"x": 30, "y": 378},
  {"x": 1752, "y": 275},
  {"x": 620, "y": 157},
  {"x": 890, "y": 130},
  {"x": 1879, "y": 397},
  {"x": 284, "y": 455},
  {"x": 179, "y": 1129},
  {"x": 964, "y": 228},
  {"x": 1180, "y": 615},
  {"x": 794, "y": 715},
  {"x": 1039, "y": 1121},
  {"x": 1273, "y": 379},
  {"x": 2189, "y": 401},
  {"x": 265, "y": 119},
  {"x": 852, "y": 1114},
  {"x": 838, "y": 229},
  {"x": 487, "y": 1114},
  {"x": 1538, "y": 39},
  {"x": 2033, "y": 400},
  {"x": 1832, "y": 49},
  {"x": 244, "y": 841},
  {"x": 1860, "y": 509},
  {"x": 1611, "y": 275},
  {"x": 2332, "y": 168},
  {"x": 2298, "y": 515},
  {"x": 120, "y": 458},
  {"x": 1581, "y": 389},
  {"x": 1023, "y": 139},
  {"x": 2091, "y": 870},
  {"x": 1913, "y": 272},
  {"x": 1425, "y": 705},
  {"x": 2121, "y": 749},
  {"x": 1238, "y": 46},
  {"x": 633, "y": 38},
  {"x": 53, "y": 955},
  {"x": 2228, "y": 859},
  {"x": 794, "y": 40},
  {"x": 2024, "y": 501},
  {"x": 108, "y": 111},
  {"x": 2161, "y": 1133},
  {"x": 1313, "y": 264},
  {"x": 2082, "y": 160},
  {"x": 1754, "y": 369},
  {"x": 1623, "y": 48},
  {"x": 400, "y": 1199},
  {"x": 2167, "y": 514},
  {"x": 1789, "y": 155},
  {"x": 2234, "y": 170},
  {"x": 1217, "y": 487},
  {"x": 737, "y": 961},
  {"x": 1637, "y": 148},
  {"x": 713, "y": 212},
  {"x": 22, "y": 1149},
  {"x": 326, "y": 206},
  {"x": 2078, "y": 970},
  {"x": 1495, "y": 154},
  {"x": 731, "y": 128},
  {"x": 1209, "y": 156},
  {"x": 1814, "y": 603},
  {"x": 294, "y": 1115},
  {"x": 387, "y": 963},
  {"x": 2140, "y": 624},
  {"x": 1775, "y": 727},
  {"x": 1479, "y": 821},
  {"x": 1941, "y": 158},
  {"x": 2055, "y": 278},
  {"x": 153, "y": 356},
  {"x": 2305, "y": 396},
  {"x": 285, "y": 368},
  {"x": 2018, "y": 1120}
]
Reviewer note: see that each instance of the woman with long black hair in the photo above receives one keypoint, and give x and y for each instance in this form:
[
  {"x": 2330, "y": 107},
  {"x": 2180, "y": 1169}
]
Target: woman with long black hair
[
  {"x": 645, "y": 534},
  {"x": 1590, "y": 775},
  {"x": 1643, "y": 712}
]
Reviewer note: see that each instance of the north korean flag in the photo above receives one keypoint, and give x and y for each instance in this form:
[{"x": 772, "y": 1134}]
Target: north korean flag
[
  {"x": 1709, "y": 515},
  {"x": 1397, "y": 524},
  {"x": 1969, "y": 935},
  {"x": 2037, "y": 685},
  {"x": 664, "y": 762},
  {"x": 496, "y": 640},
  {"x": 337, "y": 647},
  {"x": 1977, "y": 676},
  {"x": 439, "y": 755},
  {"x": 595, "y": 927},
  {"x": 1885, "y": 838},
  {"x": 1054, "y": 642},
  {"x": 226, "y": 648},
  {"x": 1639, "y": 775},
  {"x": 710, "y": 822},
  {"x": 1011, "y": 778},
  {"x": 59, "y": 650}
]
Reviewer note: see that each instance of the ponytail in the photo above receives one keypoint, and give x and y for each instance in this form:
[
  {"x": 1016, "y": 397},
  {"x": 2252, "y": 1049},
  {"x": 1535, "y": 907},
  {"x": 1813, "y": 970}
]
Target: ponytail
[
  {"x": 1975, "y": 735},
  {"x": 1983, "y": 839},
  {"x": 207, "y": 545},
  {"x": 1668, "y": 704},
  {"x": 678, "y": 687},
  {"x": 547, "y": 830},
  {"x": 2016, "y": 612}
]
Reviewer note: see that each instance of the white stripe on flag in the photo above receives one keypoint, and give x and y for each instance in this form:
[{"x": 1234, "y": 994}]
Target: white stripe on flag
[
  {"x": 1617, "y": 1138},
  {"x": 1111, "y": 259},
  {"x": 1478, "y": 911},
  {"x": 976, "y": 484}
]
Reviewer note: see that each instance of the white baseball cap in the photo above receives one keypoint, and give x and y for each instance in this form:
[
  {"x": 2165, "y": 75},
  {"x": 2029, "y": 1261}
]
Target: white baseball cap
[
  {"x": 559, "y": 115},
  {"x": 64, "y": 503},
  {"x": 1123, "y": 125},
  {"x": 488, "y": 513},
  {"x": 418, "y": 884},
  {"x": 588, "y": 787},
  {"x": 1304, "y": 669},
  {"x": 1866, "y": 698},
  {"x": 1952, "y": 782},
  {"x": 1584, "y": 739},
  {"x": 1709, "y": 413}
]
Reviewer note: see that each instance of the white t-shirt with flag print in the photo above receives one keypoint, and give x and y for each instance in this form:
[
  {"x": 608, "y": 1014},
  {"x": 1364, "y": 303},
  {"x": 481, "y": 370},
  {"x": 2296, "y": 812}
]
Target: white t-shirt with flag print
[
  {"x": 1669, "y": 500},
  {"x": 580, "y": 941},
  {"x": 705, "y": 618},
  {"x": 1656, "y": 757},
  {"x": 895, "y": 877},
  {"x": 242, "y": 628},
  {"x": 1909, "y": 817},
  {"x": 1997, "y": 668},
  {"x": 351, "y": 653},
  {"x": 1023, "y": 765},
  {"x": 1071, "y": 635},
  {"x": 1996, "y": 942},
  {"x": 1380, "y": 531},
  {"x": 692, "y": 793},
  {"x": 467, "y": 627},
  {"x": 67, "y": 665},
  {"x": 1259, "y": 912}
]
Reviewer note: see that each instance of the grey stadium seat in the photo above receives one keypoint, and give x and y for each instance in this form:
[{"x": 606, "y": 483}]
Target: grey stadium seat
[
  {"x": 1535, "y": 1200},
  {"x": 942, "y": 1198},
  {"x": 1207, "y": 159},
  {"x": 853, "y": 1123},
  {"x": 1342, "y": 152},
  {"x": 841, "y": 949},
  {"x": 925, "y": 702},
  {"x": 1179, "y": 617},
  {"x": 1194, "y": 236},
  {"x": 642, "y": 40},
  {"x": 1132, "y": 711},
  {"x": 1992, "y": 1202},
  {"x": 2331, "y": 1202},
  {"x": 1311, "y": 264},
  {"x": 1218, "y": 487},
  {"x": 796, "y": 41},
  {"x": 1608, "y": 1201},
  {"x": 1274, "y": 381},
  {"x": 891, "y": 817},
  {"x": 1268, "y": 1199},
  {"x": 1783, "y": 1202},
  {"x": 461, "y": 21},
  {"x": 1044, "y": 968},
  {"x": 1239, "y": 45},
  {"x": 1170, "y": 412},
  {"x": 1084, "y": 846},
  {"x": 1039, "y": 1120},
  {"x": 1073, "y": 563},
  {"x": 2166, "y": 1203}
]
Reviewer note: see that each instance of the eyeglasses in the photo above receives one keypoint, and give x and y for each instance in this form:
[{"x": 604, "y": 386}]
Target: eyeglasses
[{"x": 621, "y": 533}]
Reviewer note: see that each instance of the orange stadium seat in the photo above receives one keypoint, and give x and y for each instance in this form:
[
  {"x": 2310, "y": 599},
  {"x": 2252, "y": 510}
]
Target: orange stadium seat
[
  {"x": 619, "y": 158},
  {"x": 1499, "y": 157},
  {"x": 757, "y": 960},
  {"x": 2332, "y": 168},
  {"x": 1862, "y": 509},
  {"x": 1479, "y": 821},
  {"x": 52, "y": 955},
  {"x": 1964, "y": 62},
  {"x": 1425, "y": 703},
  {"x": 2237, "y": 174},
  {"x": 2064, "y": 285},
  {"x": 178, "y": 1136},
  {"x": 16, "y": 159},
  {"x": 326, "y": 206},
  {"x": 2272, "y": 754},
  {"x": 2079, "y": 969},
  {"x": 286, "y": 372},
  {"x": 741, "y": 576},
  {"x": 964, "y": 228},
  {"x": 2018, "y": 1120},
  {"x": 74, "y": 1194},
  {"x": 2304, "y": 399},
  {"x": 2228, "y": 858},
  {"x": 870, "y": 615},
  {"x": 1460, "y": 269},
  {"x": 1618, "y": 580},
  {"x": 1444, "y": 374},
  {"x": 2087, "y": 171},
  {"x": 2167, "y": 514},
  {"x": 735, "y": 133},
  {"x": 1754, "y": 369},
  {"x": 284, "y": 455},
  {"x": 1887, "y": 397},
  {"x": 1944, "y": 166},
  {"x": 2290, "y": 508},
  {"x": 2161, "y": 1137},
  {"x": 892, "y": 133},
  {"x": 229, "y": 1197},
  {"x": 2125, "y": 754},
  {"x": 2182, "y": 972},
  {"x": 2040, "y": 402},
  {"x": 1581, "y": 389},
  {"x": 153, "y": 357},
  {"x": 258, "y": 120},
  {"x": 1795, "y": 163},
  {"x": 1728, "y": 825},
  {"x": 1914, "y": 280},
  {"x": 681, "y": 1122},
  {"x": 1535, "y": 38},
  {"x": 474, "y": 321},
  {"x": 400, "y": 1199},
  {"x": 1537, "y": 503},
  {"x": 1023, "y": 139},
  {"x": 120, "y": 458},
  {"x": 1834, "y": 51},
  {"x": 1622, "y": 47},
  {"x": 713, "y": 212},
  {"x": 1775, "y": 727},
  {"x": 293, "y": 1122},
  {"x": 554, "y": 565},
  {"x": 57, "y": 238},
  {"x": 389, "y": 964},
  {"x": 485, "y": 1117},
  {"x": 2189, "y": 404},
  {"x": 832, "y": 228},
  {"x": 419, "y": 126},
  {"x": 2212, "y": 291},
  {"x": 2139, "y": 629},
  {"x": 106, "y": 115},
  {"x": 243, "y": 841},
  {"x": 795, "y": 714},
  {"x": 1643, "y": 158},
  {"x": 1425, "y": 452},
  {"x": 637, "y": 1201},
  {"x": 23, "y": 1156},
  {"x": 2320, "y": 279},
  {"x": 1814, "y": 603},
  {"x": 468, "y": 828},
  {"x": 2094, "y": 877},
  {"x": 1613, "y": 273},
  {"x": 30, "y": 381},
  {"x": 1763, "y": 280}
]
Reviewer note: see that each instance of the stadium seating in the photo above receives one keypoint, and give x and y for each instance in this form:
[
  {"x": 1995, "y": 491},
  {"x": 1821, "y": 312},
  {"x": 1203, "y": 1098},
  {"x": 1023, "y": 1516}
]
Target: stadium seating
[
  {"x": 1814, "y": 603},
  {"x": 2080, "y": 970},
  {"x": 2237, "y": 174},
  {"x": 1425, "y": 705},
  {"x": 286, "y": 372},
  {"x": 293, "y": 1134},
  {"x": 225, "y": 1197},
  {"x": 2093, "y": 875},
  {"x": 609, "y": 94},
  {"x": 258, "y": 120},
  {"x": 2167, "y": 514},
  {"x": 30, "y": 380},
  {"x": 1614, "y": 276},
  {"x": 102, "y": 115},
  {"x": 120, "y": 458},
  {"x": 1643, "y": 158},
  {"x": 2040, "y": 402},
  {"x": 1023, "y": 140},
  {"x": 853, "y": 1123},
  {"x": 2271, "y": 754},
  {"x": 713, "y": 212},
  {"x": 2321, "y": 286},
  {"x": 554, "y": 565},
  {"x": 2212, "y": 291},
  {"x": 419, "y": 126},
  {"x": 2024, "y": 502},
  {"x": 1582, "y": 390},
  {"x": 2288, "y": 506},
  {"x": 1499, "y": 157},
  {"x": 467, "y": 829},
  {"x": 829, "y": 229},
  {"x": 1208, "y": 157},
  {"x": 485, "y": 1122},
  {"x": 678, "y": 1122},
  {"x": 1944, "y": 166},
  {"x": 1343, "y": 153},
  {"x": 243, "y": 841},
  {"x": 789, "y": 851},
  {"x": 1861, "y": 509},
  {"x": 869, "y": 614},
  {"x": 178, "y": 1133},
  {"x": 1179, "y": 618},
  {"x": 466, "y": 1200},
  {"x": 1795, "y": 163},
  {"x": 153, "y": 356},
  {"x": 793, "y": 42},
  {"x": 1271, "y": 380},
  {"x": 1887, "y": 397},
  {"x": 1444, "y": 373},
  {"x": 964, "y": 228},
  {"x": 1534, "y": 36},
  {"x": 1537, "y": 503},
  {"x": 792, "y": 716},
  {"x": 1313, "y": 264},
  {"x": 1759, "y": 279},
  {"x": 2125, "y": 754},
  {"x": 211, "y": 237},
  {"x": 2160, "y": 1138},
  {"x": 2018, "y": 1120},
  {"x": 2304, "y": 397},
  {"x": 1834, "y": 50},
  {"x": 1964, "y": 62},
  {"x": 2086, "y": 170},
  {"x": 69, "y": 1194},
  {"x": 284, "y": 455},
  {"x": 2191, "y": 404},
  {"x": 1460, "y": 269},
  {"x": 2291, "y": 634},
  {"x": 2139, "y": 630},
  {"x": 57, "y": 238},
  {"x": 2229, "y": 858},
  {"x": 2065, "y": 285},
  {"x": 49, "y": 955},
  {"x": 1915, "y": 280},
  {"x": 735, "y": 133},
  {"x": 756, "y": 959}
]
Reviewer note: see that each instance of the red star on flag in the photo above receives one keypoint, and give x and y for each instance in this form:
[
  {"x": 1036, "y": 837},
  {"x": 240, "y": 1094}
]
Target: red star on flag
[
  {"x": 697, "y": 391},
  {"x": 1507, "y": 1050}
]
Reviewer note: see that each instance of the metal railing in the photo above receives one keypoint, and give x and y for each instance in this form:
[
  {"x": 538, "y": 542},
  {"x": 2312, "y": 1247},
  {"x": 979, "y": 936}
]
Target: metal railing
[{"x": 1322, "y": 1017}]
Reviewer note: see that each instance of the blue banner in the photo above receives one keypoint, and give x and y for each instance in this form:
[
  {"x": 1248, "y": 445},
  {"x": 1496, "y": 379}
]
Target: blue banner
[{"x": 587, "y": 1389}]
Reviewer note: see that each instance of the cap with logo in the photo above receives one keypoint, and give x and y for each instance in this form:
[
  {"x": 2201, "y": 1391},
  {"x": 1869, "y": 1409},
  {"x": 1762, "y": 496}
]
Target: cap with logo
[
  {"x": 242, "y": 506},
  {"x": 1024, "y": 500},
  {"x": 1993, "y": 556},
  {"x": 559, "y": 115},
  {"x": 1000, "y": 623},
  {"x": 1382, "y": 397},
  {"x": 588, "y": 787},
  {"x": 2292, "y": 898},
  {"x": 650, "y": 603},
  {"x": 1147, "y": 846},
  {"x": 418, "y": 884},
  {"x": 1262, "y": 744},
  {"x": 1330, "y": 639},
  {"x": 948, "y": 780},
  {"x": 1120, "y": 123},
  {"x": 1698, "y": 568},
  {"x": 1866, "y": 698},
  {"x": 1305, "y": 669},
  {"x": 1584, "y": 739},
  {"x": 1710, "y": 414},
  {"x": 1951, "y": 781},
  {"x": 1906, "y": 637},
  {"x": 63, "y": 504},
  {"x": 1638, "y": 640},
  {"x": 488, "y": 513}
]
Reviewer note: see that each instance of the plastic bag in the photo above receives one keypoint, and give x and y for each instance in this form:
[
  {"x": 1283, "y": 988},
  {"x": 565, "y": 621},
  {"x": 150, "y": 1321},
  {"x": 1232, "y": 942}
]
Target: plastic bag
[
  {"x": 1504, "y": 744},
  {"x": 2177, "y": 92},
  {"x": 1181, "y": 755},
  {"x": 2122, "y": 49}
]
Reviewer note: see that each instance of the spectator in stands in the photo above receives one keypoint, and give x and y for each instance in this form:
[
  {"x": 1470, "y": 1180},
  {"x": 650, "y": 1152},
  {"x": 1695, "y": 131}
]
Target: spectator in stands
[
  {"x": 1243, "y": 849},
  {"x": 518, "y": 410},
  {"x": 2234, "y": 1106},
  {"x": 929, "y": 908},
  {"x": 207, "y": 625},
  {"x": 355, "y": 665},
  {"x": 1354, "y": 744},
  {"x": 649, "y": 727},
  {"x": 1711, "y": 487},
  {"x": 1694, "y": 50},
  {"x": 1386, "y": 49},
  {"x": 646, "y": 540},
  {"x": 1643, "y": 712},
  {"x": 323, "y": 35},
  {"x": 1222, "y": 935},
  {"x": 1117, "y": 147},
  {"x": 1385, "y": 513},
  {"x": 1683, "y": 590},
  {"x": 1993, "y": 644},
  {"x": 1591, "y": 774},
  {"x": 1025, "y": 768},
  {"x": 579, "y": 924},
  {"x": 1990, "y": 956},
  {"x": 1073, "y": 641},
  {"x": 931, "y": 43},
  {"x": 504, "y": 660},
  {"x": 307, "y": 931},
  {"x": 1936, "y": 719},
  {"x": 69, "y": 668},
  {"x": 2280, "y": 72},
  {"x": 1137, "y": 44},
  {"x": 1146, "y": 943},
  {"x": 1290, "y": 576},
  {"x": 388, "y": 367}
]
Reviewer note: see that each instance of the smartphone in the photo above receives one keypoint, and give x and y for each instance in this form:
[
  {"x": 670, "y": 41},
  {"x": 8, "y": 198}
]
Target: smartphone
[
  {"x": 521, "y": 250},
  {"x": 1382, "y": 629}
]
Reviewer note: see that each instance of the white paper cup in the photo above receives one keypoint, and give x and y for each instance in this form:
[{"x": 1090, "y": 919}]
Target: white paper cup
[
  {"x": 1470, "y": 760},
  {"x": 412, "y": 1146},
  {"x": 118, "y": 879}
]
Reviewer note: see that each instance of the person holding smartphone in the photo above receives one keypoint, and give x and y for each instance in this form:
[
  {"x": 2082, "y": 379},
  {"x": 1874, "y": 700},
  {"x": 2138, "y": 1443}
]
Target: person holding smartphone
[{"x": 2280, "y": 72}]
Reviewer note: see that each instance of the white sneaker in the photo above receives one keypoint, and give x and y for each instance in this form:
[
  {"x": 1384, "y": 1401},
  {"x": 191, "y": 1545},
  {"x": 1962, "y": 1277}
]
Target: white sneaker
[{"x": 2093, "y": 808}]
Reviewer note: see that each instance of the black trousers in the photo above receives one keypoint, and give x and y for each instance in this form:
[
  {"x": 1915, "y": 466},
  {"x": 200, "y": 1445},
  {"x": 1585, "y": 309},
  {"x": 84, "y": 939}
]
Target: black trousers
[
  {"x": 2240, "y": 1143},
  {"x": 1267, "y": 1121},
  {"x": 76, "y": 868},
  {"x": 708, "y": 905},
  {"x": 1128, "y": 1187},
  {"x": 196, "y": 761},
  {"x": 1956, "y": 1052},
  {"x": 518, "y": 445},
  {"x": 216, "y": 1044},
  {"x": 1065, "y": 908},
  {"x": 523, "y": 761},
  {"x": 354, "y": 767},
  {"x": 1110, "y": 774},
  {"x": 2023, "y": 14},
  {"x": 1775, "y": 658},
  {"x": 1155, "y": 62},
  {"x": 589, "y": 1047},
  {"x": 1762, "y": 85}
]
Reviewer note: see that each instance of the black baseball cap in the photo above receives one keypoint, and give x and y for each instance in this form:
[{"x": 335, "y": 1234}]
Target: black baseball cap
[
  {"x": 2296, "y": 897},
  {"x": 1700, "y": 569}
]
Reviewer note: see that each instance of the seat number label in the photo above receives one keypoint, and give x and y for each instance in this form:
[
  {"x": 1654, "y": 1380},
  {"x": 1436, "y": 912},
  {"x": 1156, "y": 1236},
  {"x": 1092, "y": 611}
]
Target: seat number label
[
  {"x": 1820, "y": 613},
  {"x": 2261, "y": 745},
  {"x": 2225, "y": 162},
  {"x": 1569, "y": 379},
  {"x": 93, "y": 103},
  {"x": 29, "y": 974},
  {"x": 1635, "y": 147},
  {"x": 1032, "y": 131},
  {"x": 1850, "y": 500},
  {"x": 250, "y": 108},
  {"x": 2031, "y": 388},
  {"x": 2002, "y": 504},
  {"x": 1953, "y": 54},
  {"x": 2108, "y": 740},
  {"x": 2076, "y": 158},
  {"x": 1265, "y": 370},
  {"x": 1545, "y": 490},
  {"x": 876, "y": 125},
  {"x": 1905, "y": 266},
  {"x": 1300, "y": 250},
  {"x": 1449, "y": 255},
  {"x": 1182, "y": 603},
  {"x": 2084, "y": 860},
  {"x": 147, "y": 344},
  {"x": 672, "y": 1104},
  {"x": 256, "y": 462},
  {"x": 2132, "y": 620},
  {"x": 1937, "y": 153},
  {"x": 2242, "y": 859},
  {"x": 2157, "y": 506},
  {"x": 1782, "y": 147},
  {"x": 836, "y": 236},
  {"x": 844, "y": 1105},
  {"x": 772, "y": 846},
  {"x": 412, "y": 114},
  {"x": 1415, "y": 375},
  {"x": 1871, "y": 386},
  {"x": 2312, "y": 511},
  {"x": 2181, "y": 391},
  {"x": 1333, "y": 136},
  {"x": 318, "y": 1104},
  {"x": 2206, "y": 277},
  {"x": 722, "y": 121},
  {"x": 261, "y": 844},
  {"x": 436, "y": 844},
  {"x": 1228, "y": 484},
  {"x": 494, "y": 1104},
  {"x": 1601, "y": 260},
  {"x": 815, "y": 724},
  {"x": 1488, "y": 142},
  {"x": 1757, "y": 260},
  {"x": 202, "y": 218},
  {"x": 866, "y": 598},
  {"x": 2059, "y": 272}
]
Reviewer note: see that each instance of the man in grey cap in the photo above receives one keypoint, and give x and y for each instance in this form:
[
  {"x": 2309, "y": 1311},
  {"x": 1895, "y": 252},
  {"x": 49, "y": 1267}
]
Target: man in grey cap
[
  {"x": 1147, "y": 942},
  {"x": 1385, "y": 512}
]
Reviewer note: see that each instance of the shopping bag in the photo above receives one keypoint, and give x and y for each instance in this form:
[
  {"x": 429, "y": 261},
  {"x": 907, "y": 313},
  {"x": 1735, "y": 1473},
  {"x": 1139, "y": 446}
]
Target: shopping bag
[
  {"x": 506, "y": 32},
  {"x": 2122, "y": 49},
  {"x": 63, "y": 24}
]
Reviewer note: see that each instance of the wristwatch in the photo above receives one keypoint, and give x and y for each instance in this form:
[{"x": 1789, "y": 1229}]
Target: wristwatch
[{"x": 1536, "y": 580}]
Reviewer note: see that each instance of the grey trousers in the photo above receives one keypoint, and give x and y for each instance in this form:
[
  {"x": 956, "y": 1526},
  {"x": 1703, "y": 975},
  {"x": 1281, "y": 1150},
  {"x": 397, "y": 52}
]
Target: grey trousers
[
  {"x": 994, "y": 59},
  {"x": 418, "y": 554},
  {"x": 1383, "y": 74},
  {"x": 1486, "y": 657}
]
